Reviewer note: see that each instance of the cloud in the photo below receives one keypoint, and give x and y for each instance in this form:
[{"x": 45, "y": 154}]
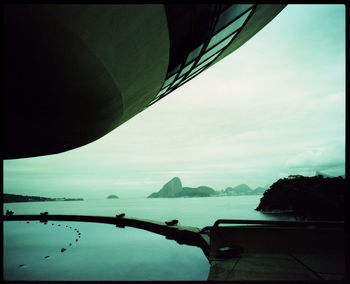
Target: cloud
[{"x": 329, "y": 158}]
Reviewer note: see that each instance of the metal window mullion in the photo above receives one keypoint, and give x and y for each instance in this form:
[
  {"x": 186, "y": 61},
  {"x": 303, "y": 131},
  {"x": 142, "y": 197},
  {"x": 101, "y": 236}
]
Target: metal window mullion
[{"x": 236, "y": 18}]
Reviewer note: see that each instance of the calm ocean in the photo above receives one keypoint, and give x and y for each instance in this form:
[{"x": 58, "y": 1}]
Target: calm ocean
[{"x": 32, "y": 251}]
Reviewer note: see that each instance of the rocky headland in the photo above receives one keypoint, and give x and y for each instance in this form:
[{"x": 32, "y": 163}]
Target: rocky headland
[{"x": 308, "y": 198}]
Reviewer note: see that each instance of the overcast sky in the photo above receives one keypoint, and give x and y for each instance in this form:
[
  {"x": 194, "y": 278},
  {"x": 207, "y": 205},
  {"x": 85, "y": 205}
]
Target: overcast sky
[{"x": 274, "y": 107}]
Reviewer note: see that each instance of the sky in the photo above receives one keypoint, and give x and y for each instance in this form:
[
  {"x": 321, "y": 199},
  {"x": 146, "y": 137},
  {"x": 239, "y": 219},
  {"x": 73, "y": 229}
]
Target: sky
[{"x": 274, "y": 107}]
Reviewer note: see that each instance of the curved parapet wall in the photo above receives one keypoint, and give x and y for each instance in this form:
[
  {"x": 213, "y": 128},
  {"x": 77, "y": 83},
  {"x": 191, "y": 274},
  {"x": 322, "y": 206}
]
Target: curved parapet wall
[
  {"x": 181, "y": 234},
  {"x": 73, "y": 73}
]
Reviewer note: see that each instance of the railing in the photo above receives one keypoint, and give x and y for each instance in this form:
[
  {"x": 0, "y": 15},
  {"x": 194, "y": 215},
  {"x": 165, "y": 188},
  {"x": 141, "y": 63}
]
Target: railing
[{"x": 323, "y": 224}]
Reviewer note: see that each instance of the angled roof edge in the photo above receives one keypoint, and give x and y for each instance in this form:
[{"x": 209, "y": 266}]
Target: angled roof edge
[{"x": 261, "y": 16}]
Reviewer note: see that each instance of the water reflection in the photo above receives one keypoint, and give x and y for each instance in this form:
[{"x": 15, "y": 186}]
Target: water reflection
[{"x": 33, "y": 252}]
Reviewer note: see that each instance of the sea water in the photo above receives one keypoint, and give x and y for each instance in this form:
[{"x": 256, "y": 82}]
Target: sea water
[{"x": 102, "y": 252}]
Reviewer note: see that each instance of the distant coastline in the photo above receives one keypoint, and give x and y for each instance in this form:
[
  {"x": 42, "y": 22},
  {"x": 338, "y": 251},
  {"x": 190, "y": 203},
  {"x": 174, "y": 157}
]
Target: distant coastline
[{"x": 12, "y": 198}]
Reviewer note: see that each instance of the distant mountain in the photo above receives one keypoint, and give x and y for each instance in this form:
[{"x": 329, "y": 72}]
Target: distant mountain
[
  {"x": 259, "y": 190},
  {"x": 174, "y": 188},
  {"x": 170, "y": 189},
  {"x": 112, "y": 196},
  {"x": 241, "y": 189},
  {"x": 201, "y": 191}
]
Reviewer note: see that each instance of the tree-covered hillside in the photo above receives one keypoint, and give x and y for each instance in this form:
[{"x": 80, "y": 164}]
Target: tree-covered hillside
[{"x": 316, "y": 198}]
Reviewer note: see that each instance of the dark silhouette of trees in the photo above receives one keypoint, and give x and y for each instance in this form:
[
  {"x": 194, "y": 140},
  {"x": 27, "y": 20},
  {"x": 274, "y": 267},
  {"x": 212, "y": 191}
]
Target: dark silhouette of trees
[{"x": 314, "y": 198}]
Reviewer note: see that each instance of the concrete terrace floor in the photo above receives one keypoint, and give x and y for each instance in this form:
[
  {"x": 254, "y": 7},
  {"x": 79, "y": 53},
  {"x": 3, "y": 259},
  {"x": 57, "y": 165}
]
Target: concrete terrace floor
[
  {"x": 280, "y": 266},
  {"x": 277, "y": 253}
]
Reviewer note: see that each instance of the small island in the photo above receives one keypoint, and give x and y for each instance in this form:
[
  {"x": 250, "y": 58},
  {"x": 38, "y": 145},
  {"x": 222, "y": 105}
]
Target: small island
[
  {"x": 11, "y": 198},
  {"x": 112, "y": 196},
  {"x": 307, "y": 198}
]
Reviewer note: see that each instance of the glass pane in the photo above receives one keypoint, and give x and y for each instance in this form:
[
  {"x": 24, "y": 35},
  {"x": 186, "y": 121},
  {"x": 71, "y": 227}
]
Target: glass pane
[
  {"x": 177, "y": 81},
  {"x": 162, "y": 92},
  {"x": 177, "y": 68},
  {"x": 228, "y": 30},
  {"x": 194, "y": 53},
  {"x": 169, "y": 81},
  {"x": 152, "y": 102},
  {"x": 186, "y": 69},
  {"x": 205, "y": 63},
  {"x": 217, "y": 48},
  {"x": 193, "y": 75},
  {"x": 160, "y": 96},
  {"x": 230, "y": 14}
]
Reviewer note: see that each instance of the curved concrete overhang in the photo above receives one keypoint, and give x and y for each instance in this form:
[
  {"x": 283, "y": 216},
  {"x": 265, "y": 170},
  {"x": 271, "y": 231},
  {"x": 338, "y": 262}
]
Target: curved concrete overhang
[
  {"x": 73, "y": 73},
  {"x": 132, "y": 43}
]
